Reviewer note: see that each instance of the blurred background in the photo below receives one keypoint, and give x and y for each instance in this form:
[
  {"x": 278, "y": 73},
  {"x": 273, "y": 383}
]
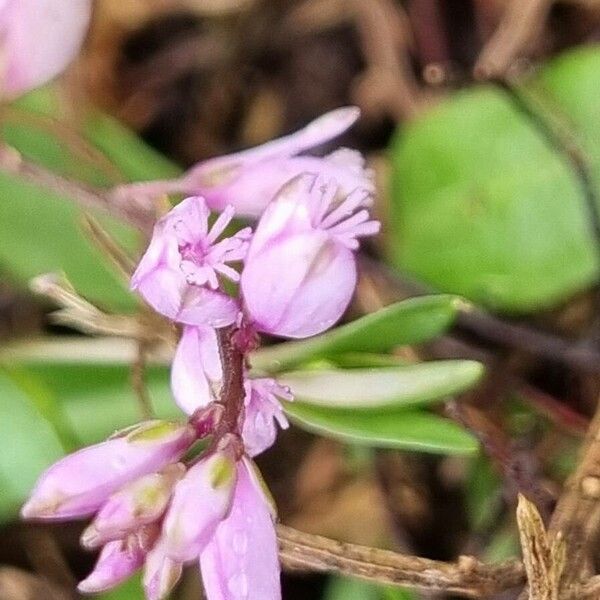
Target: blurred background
[{"x": 481, "y": 120}]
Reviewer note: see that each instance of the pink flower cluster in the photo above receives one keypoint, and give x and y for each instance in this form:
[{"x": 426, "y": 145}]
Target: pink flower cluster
[{"x": 157, "y": 503}]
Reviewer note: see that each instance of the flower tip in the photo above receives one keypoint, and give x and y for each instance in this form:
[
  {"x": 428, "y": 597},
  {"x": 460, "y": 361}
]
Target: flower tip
[
  {"x": 88, "y": 586},
  {"x": 90, "y": 538},
  {"x": 35, "y": 509},
  {"x": 338, "y": 120}
]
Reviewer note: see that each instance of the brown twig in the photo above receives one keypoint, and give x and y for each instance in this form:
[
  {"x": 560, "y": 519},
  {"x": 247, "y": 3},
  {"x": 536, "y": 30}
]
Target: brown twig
[
  {"x": 389, "y": 82},
  {"x": 138, "y": 371},
  {"x": 521, "y": 24},
  {"x": 12, "y": 163},
  {"x": 231, "y": 396},
  {"x": 577, "y": 514},
  {"x": 467, "y": 577},
  {"x": 123, "y": 263}
]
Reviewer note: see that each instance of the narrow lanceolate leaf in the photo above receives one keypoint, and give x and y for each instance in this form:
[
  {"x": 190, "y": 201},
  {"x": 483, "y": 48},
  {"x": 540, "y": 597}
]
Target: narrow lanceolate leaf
[
  {"x": 394, "y": 387},
  {"x": 409, "y": 322},
  {"x": 399, "y": 429}
]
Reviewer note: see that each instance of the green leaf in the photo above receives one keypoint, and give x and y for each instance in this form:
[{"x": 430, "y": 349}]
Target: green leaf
[
  {"x": 568, "y": 86},
  {"x": 483, "y": 207},
  {"x": 393, "y": 387},
  {"x": 98, "y": 399},
  {"x": 483, "y": 494},
  {"x": 136, "y": 160},
  {"x": 130, "y": 590},
  {"x": 41, "y": 233},
  {"x": 28, "y": 445},
  {"x": 400, "y": 429},
  {"x": 409, "y": 322},
  {"x": 101, "y": 152},
  {"x": 345, "y": 588},
  {"x": 394, "y": 593}
]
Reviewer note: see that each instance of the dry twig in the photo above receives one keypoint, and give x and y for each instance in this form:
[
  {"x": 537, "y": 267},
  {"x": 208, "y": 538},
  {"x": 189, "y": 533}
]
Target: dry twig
[
  {"x": 521, "y": 25},
  {"x": 467, "y": 577},
  {"x": 12, "y": 163}
]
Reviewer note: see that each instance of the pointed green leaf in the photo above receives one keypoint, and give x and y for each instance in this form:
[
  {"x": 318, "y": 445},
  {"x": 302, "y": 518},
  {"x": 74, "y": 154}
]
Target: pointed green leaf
[
  {"x": 400, "y": 429},
  {"x": 406, "y": 385},
  {"x": 409, "y": 322}
]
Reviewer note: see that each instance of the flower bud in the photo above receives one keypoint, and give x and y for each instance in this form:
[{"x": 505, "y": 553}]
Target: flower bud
[
  {"x": 38, "y": 39},
  {"x": 161, "y": 573},
  {"x": 300, "y": 271},
  {"x": 241, "y": 561},
  {"x": 79, "y": 484},
  {"x": 249, "y": 180},
  {"x": 138, "y": 503},
  {"x": 200, "y": 501},
  {"x": 118, "y": 560}
]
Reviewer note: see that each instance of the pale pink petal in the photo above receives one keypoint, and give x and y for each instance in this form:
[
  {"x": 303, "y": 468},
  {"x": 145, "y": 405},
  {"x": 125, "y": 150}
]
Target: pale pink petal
[
  {"x": 38, "y": 39},
  {"x": 317, "y": 132},
  {"x": 200, "y": 501},
  {"x": 196, "y": 373},
  {"x": 300, "y": 297},
  {"x": 137, "y": 504},
  {"x": 241, "y": 562},
  {"x": 161, "y": 573},
  {"x": 288, "y": 214},
  {"x": 203, "y": 306},
  {"x": 118, "y": 561},
  {"x": 249, "y": 180},
  {"x": 262, "y": 411},
  {"x": 163, "y": 289},
  {"x": 80, "y": 483}
]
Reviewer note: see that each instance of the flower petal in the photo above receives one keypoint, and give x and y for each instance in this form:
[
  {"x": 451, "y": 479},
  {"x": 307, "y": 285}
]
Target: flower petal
[
  {"x": 161, "y": 573},
  {"x": 117, "y": 562},
  {"x": 241, "y": 561},
  {"x": 203, "y": 306},
  {"x": 196, "y": 373},
  {"x": 301, "y": 297},
  {"x": 78, "y": 485},
  {"x": 38, "y": 40},
  {"x": 200, "y": 501}
]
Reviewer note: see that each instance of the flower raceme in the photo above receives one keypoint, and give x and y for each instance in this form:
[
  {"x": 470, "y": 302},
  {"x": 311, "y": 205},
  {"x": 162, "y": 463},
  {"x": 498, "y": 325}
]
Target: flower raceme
[
  {"x": 152, "y": 510},
  {"x": 38, "y": 39},
  {"x": 156, "y": 503},
  {"x": 248, "y": 180}
]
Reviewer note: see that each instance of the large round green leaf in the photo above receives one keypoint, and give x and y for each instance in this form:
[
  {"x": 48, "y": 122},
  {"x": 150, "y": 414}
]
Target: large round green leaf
[{"x": 482, "y": 206}]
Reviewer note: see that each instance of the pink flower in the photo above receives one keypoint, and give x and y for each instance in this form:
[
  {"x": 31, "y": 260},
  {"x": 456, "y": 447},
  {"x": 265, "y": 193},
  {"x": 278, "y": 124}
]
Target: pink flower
[
  {"x": 196, "y": 374},
  {"x": 200, "y": 501},
  {"x": 79, "y": 484},
  {"x": 38, "y": 39},
  {"x": 179, "y": 273},
  {"x": 241, "y": 561},
  {"x": 249, "y": 179},
  {"x": 300, "y": 271},
  {"x": 262, "y": 410}
]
